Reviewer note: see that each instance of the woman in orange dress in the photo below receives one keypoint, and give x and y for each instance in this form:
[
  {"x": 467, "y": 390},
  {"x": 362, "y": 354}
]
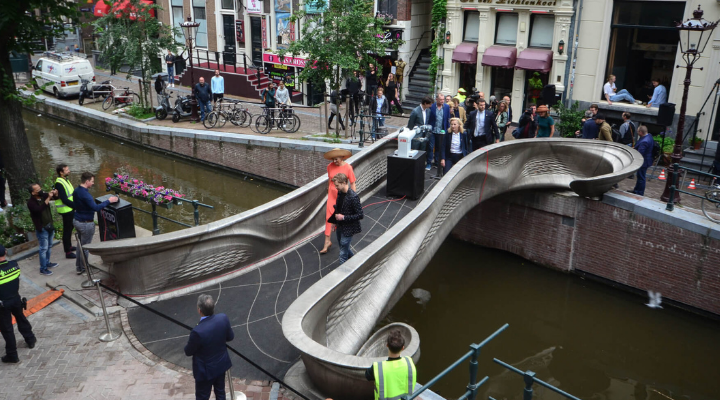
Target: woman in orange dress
[{"x": 338, "y": 165}]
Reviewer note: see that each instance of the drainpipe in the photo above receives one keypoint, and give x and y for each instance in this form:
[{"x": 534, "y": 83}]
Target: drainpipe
[{"x": 577, "y": 19}]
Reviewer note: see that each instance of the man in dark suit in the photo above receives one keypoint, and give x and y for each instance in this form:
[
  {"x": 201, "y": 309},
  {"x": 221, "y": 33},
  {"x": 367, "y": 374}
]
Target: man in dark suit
[
  {"x": 420, "y": 116},
  {"x": 207, "y": 347},
  {"x": 481, "y": 127},
  {"x": 440, "y": 121}
]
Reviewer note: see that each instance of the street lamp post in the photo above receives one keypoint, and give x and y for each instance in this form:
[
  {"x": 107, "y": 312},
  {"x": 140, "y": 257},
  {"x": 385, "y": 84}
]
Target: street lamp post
[
  {"x": 694, "y": 36},
  {"x": 189, "y": 29}
]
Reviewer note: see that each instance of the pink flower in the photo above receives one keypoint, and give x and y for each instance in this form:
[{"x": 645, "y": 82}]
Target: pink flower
[
  {"x": 168, "y": 198},
  {"x": 107, "y": 179},
  {"x": 135, "y": 181}
]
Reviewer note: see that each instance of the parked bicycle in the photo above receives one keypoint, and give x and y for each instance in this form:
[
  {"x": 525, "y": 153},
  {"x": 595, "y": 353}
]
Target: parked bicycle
[
  {"x": 126, "y": 98},
  {"x": 283, "y": 118},
  {"x": 710, "y": 205}
]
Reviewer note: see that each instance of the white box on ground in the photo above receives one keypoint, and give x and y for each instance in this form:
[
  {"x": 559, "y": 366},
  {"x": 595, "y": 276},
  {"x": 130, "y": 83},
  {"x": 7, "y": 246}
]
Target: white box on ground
[{"x": 405, "y": 138}]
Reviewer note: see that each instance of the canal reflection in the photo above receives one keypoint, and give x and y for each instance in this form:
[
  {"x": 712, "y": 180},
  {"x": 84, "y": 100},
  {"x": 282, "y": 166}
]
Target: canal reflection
[
  {"x": 53, "y": 142},
  {"x": 589, "y": 339}
]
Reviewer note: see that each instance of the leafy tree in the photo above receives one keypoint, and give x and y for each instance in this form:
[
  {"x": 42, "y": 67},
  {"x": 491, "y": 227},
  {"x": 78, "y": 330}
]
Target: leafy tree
[
  {"x": 570, "y": 119},
  {"x": 130, "y": 35},
  {"x": 342, "y": 40},
  {"x": 23, "y": 24}
]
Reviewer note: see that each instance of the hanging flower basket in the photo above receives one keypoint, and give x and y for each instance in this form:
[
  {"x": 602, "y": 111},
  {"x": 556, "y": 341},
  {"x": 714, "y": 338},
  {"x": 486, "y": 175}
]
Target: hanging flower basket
[{"x": 135, "y": 188}]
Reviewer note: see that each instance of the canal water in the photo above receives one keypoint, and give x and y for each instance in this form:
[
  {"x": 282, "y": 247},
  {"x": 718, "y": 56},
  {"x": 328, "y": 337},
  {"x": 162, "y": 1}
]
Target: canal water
[
  {"x": 589, "y": 339},
  {"x": 53, "y": 142}
]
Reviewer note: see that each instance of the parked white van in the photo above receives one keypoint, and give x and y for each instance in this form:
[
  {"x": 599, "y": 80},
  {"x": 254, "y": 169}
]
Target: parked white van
[{"x": 63, "y": 72}]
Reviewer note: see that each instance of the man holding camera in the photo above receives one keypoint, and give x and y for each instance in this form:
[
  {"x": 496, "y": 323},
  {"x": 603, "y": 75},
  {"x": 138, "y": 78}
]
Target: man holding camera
[{"x": 41, "y": 215}]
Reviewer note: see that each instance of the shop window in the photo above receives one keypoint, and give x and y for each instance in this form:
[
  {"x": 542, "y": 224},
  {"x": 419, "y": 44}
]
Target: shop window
[
  {"x": 472, "y": 26},
  {"x": 201, "y": 39},
  {"x": 178, "y": 18},
  {"x": 388, "y": 8},
  {"x": 507, "y": 26},
  {"x": 227, "y": 5},
  {"x": 541, "y": 30},
  {"x": 643, "y": 44},
  {"x": 501, "y": 82}
]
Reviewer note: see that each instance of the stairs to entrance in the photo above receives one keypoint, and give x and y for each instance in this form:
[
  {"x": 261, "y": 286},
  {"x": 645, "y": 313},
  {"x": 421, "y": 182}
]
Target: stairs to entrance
[
  {"x": 694, "y": 158},
  {"x": 419, "y": 84}
]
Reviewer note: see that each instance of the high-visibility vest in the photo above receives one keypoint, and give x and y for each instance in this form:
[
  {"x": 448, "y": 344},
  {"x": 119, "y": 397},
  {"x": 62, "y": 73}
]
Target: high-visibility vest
[
  {"x": 69, "y": 190},
  {"x": 394, "y": 379},
  {"x": 10, "y": 274}
]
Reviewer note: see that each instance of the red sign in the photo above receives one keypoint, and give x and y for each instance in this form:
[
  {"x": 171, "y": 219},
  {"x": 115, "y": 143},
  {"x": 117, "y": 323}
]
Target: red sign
[
  {"x": 264, "y": 33},
  {"x": 291, "y": 61},
  {"x": 240, "y": 30}
]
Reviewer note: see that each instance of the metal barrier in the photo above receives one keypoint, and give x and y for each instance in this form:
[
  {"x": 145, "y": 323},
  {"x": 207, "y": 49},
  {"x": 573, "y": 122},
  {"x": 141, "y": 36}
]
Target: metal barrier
[
  {"x": 473, "y": 386},
  {"x": 530, "y": 379},
  {"x": 710, "y": 199}
]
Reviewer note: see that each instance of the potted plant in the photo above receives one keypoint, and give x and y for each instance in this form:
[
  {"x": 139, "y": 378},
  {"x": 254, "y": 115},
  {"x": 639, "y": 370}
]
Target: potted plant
[
  {"x": 696, "y": 142},
  {"x": 535, "y": 85}
]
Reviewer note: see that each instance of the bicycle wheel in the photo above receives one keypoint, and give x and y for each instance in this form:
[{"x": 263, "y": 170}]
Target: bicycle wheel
[
  {"x": 223, "y": 118},
  {"x": 290, "y": 123},
  {"x": 248, "y": 119},
  {"x": 263, "y": 124},
  {"x": 107, "y": 102},
  {"x": 709, "y": 208},
  {"x": 133, "y": 99},
  {"x": 237, "y": 117},
  {"x": 211, "y": 119}
]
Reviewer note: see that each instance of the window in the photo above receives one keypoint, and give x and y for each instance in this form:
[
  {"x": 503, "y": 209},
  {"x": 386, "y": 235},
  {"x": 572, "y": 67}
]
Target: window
[
  {"x": 201, "y": 39},
  {"x": 501, "y": 82},
  {"x": 507, "y": 26},
  {"x": 472, "y": 26},
  {"x": 38, "y": 67},
  {"x": 178, "y": 18},
  {"x": 541, "y": 33},
  {"x": 643, "y": 44},
  {"x": 227, "y": 5},
  {"x": 388, "y": 8}
]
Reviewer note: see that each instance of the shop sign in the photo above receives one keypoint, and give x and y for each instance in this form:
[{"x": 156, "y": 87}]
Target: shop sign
[
  {"x": 546, "y": 3},
  {"x": 291, "y": 61},
  {"x": 285, "y": 30},
  {"x": 254, "y": 6},
  {"x": 263, "y": 26},
  {"x": 278, "y": 72},
  {"x": 390, "y": 36},
  {"x": 240, "y": 30},
  {"x": 315, "y": 6}
]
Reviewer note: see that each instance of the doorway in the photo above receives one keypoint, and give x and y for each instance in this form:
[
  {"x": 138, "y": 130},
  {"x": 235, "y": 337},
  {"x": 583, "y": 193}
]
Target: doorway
[
  {"x": 467, "y": 77},
  {"x": 256, "y": 40},
  {"x": 229, "y": 35}
]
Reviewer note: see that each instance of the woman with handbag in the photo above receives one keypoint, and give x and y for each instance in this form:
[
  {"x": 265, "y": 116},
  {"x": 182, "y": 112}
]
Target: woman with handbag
[{"x": 501, "y": 118}]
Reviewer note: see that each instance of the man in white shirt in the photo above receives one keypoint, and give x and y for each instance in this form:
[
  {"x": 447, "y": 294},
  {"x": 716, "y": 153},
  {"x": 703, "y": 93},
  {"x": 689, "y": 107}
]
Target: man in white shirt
[{"x": 611, "y": 93}]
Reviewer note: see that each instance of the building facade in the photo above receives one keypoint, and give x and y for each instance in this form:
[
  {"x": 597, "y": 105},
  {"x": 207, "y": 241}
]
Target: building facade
[
  {"x": 256, "y": 30},
  {"x": 637, "y": 41},
  {"x": 506, "y": 48}
]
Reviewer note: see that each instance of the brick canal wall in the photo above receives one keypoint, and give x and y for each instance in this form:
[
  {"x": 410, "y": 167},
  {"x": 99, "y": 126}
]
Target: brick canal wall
[
  {"x": 623, "y": 239},
  {"x": 290, "y": 162}
]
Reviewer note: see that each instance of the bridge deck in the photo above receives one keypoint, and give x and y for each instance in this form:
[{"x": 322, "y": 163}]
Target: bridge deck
[{"x": 255, "y": 302}]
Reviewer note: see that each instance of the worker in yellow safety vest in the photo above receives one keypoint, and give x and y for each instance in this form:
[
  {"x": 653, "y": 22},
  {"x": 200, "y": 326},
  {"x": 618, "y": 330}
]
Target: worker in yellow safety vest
[
  {"x": 65, "y": 207},
  {"x": 396, "y": 376},
  {"x": 11, "y": 305}
]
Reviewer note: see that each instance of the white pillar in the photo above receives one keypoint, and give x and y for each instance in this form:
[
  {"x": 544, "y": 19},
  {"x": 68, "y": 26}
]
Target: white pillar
[
  {"x": 562, "y": 32},
  {"x": 485, "y": 40}
]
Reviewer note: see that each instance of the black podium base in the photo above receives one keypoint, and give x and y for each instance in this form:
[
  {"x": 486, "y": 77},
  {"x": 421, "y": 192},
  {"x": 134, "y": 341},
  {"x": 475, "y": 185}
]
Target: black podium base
[{"x": 406, "y": 176}]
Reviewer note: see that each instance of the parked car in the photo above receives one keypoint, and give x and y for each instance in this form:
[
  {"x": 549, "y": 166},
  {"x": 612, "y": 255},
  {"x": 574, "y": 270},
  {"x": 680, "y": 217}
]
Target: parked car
[{"x": 62, "y": 72}]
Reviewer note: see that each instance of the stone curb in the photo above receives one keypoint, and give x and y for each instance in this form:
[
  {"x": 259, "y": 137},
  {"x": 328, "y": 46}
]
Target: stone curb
[{"x": 82, "y": 302}]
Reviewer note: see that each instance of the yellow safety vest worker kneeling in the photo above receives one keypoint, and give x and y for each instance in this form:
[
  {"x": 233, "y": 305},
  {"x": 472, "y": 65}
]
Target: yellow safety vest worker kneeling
[
  {"x": 60, "y": 207},
  {"x": 394, "y": 379}
]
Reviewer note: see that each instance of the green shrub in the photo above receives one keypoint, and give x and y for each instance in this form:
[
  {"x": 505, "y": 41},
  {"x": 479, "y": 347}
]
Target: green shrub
[
  {"x": 570, "y": 119},
  {"x": 669, "y": 143}
]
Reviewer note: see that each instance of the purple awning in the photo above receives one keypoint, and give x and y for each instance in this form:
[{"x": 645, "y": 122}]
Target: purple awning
[
  {"x": 500, "y": 56},
  {"x": 465, "y": 53},
  {"x": 535, "y": 60}
]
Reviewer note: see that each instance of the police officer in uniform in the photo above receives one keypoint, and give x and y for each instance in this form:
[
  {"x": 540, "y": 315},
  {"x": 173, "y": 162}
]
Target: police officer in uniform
[
  {"x": 12, "y": 305},
  {"x": 396, "y": 376},
  {"x": 65, "y": 207}
]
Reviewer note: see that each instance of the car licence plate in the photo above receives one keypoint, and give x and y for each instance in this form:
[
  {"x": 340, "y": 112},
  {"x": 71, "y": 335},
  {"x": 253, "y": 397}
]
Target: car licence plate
[{"x": 74, "y": 83}]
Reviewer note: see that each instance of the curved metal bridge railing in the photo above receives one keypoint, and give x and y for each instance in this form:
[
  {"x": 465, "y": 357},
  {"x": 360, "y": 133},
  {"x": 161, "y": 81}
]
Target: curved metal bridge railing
[{"x": 330, "y": 322}]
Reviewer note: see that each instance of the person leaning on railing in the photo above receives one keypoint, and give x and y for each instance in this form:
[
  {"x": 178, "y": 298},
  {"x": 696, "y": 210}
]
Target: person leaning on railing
[
  {"x": 282, "y": 95},
  {"x": 85, "y": 209}
]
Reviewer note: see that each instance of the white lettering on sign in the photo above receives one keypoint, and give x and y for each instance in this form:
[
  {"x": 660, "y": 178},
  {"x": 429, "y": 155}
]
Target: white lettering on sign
[{"x": 108, "y": 217}]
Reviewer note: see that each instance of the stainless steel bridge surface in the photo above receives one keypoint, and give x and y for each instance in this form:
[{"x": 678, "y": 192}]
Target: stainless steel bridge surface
[{"x": 331, "y": 321}]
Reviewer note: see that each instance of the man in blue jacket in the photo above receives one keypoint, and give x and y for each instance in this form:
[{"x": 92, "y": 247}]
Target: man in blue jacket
[
  {"x": 440, "y": 121},
  {"x": 85, "y": 209},
  {"x": 206, "y": 345},
  {"x": 645, "y": 147}
]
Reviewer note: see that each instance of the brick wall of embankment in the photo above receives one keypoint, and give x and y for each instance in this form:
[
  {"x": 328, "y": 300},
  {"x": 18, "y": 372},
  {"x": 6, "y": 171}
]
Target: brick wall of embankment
[
  {"x": 291, "y": 162},
  {"x": 622, "y": 239}
]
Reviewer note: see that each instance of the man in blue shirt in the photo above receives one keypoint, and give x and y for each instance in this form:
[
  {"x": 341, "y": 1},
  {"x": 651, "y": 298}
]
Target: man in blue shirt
[
  {"x": 645, "y": 147},
  {"x": 85, "y": 209},
  {"x": 659, "y": 94},
  {"x": 217, "y": 84},
  {"x": 440, "y": 121}
]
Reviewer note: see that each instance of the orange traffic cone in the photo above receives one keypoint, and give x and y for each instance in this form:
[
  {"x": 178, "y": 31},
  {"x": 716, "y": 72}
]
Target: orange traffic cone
[
  {"x": 692, "y": 184},
  {"x": 662, "y": 175}
]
